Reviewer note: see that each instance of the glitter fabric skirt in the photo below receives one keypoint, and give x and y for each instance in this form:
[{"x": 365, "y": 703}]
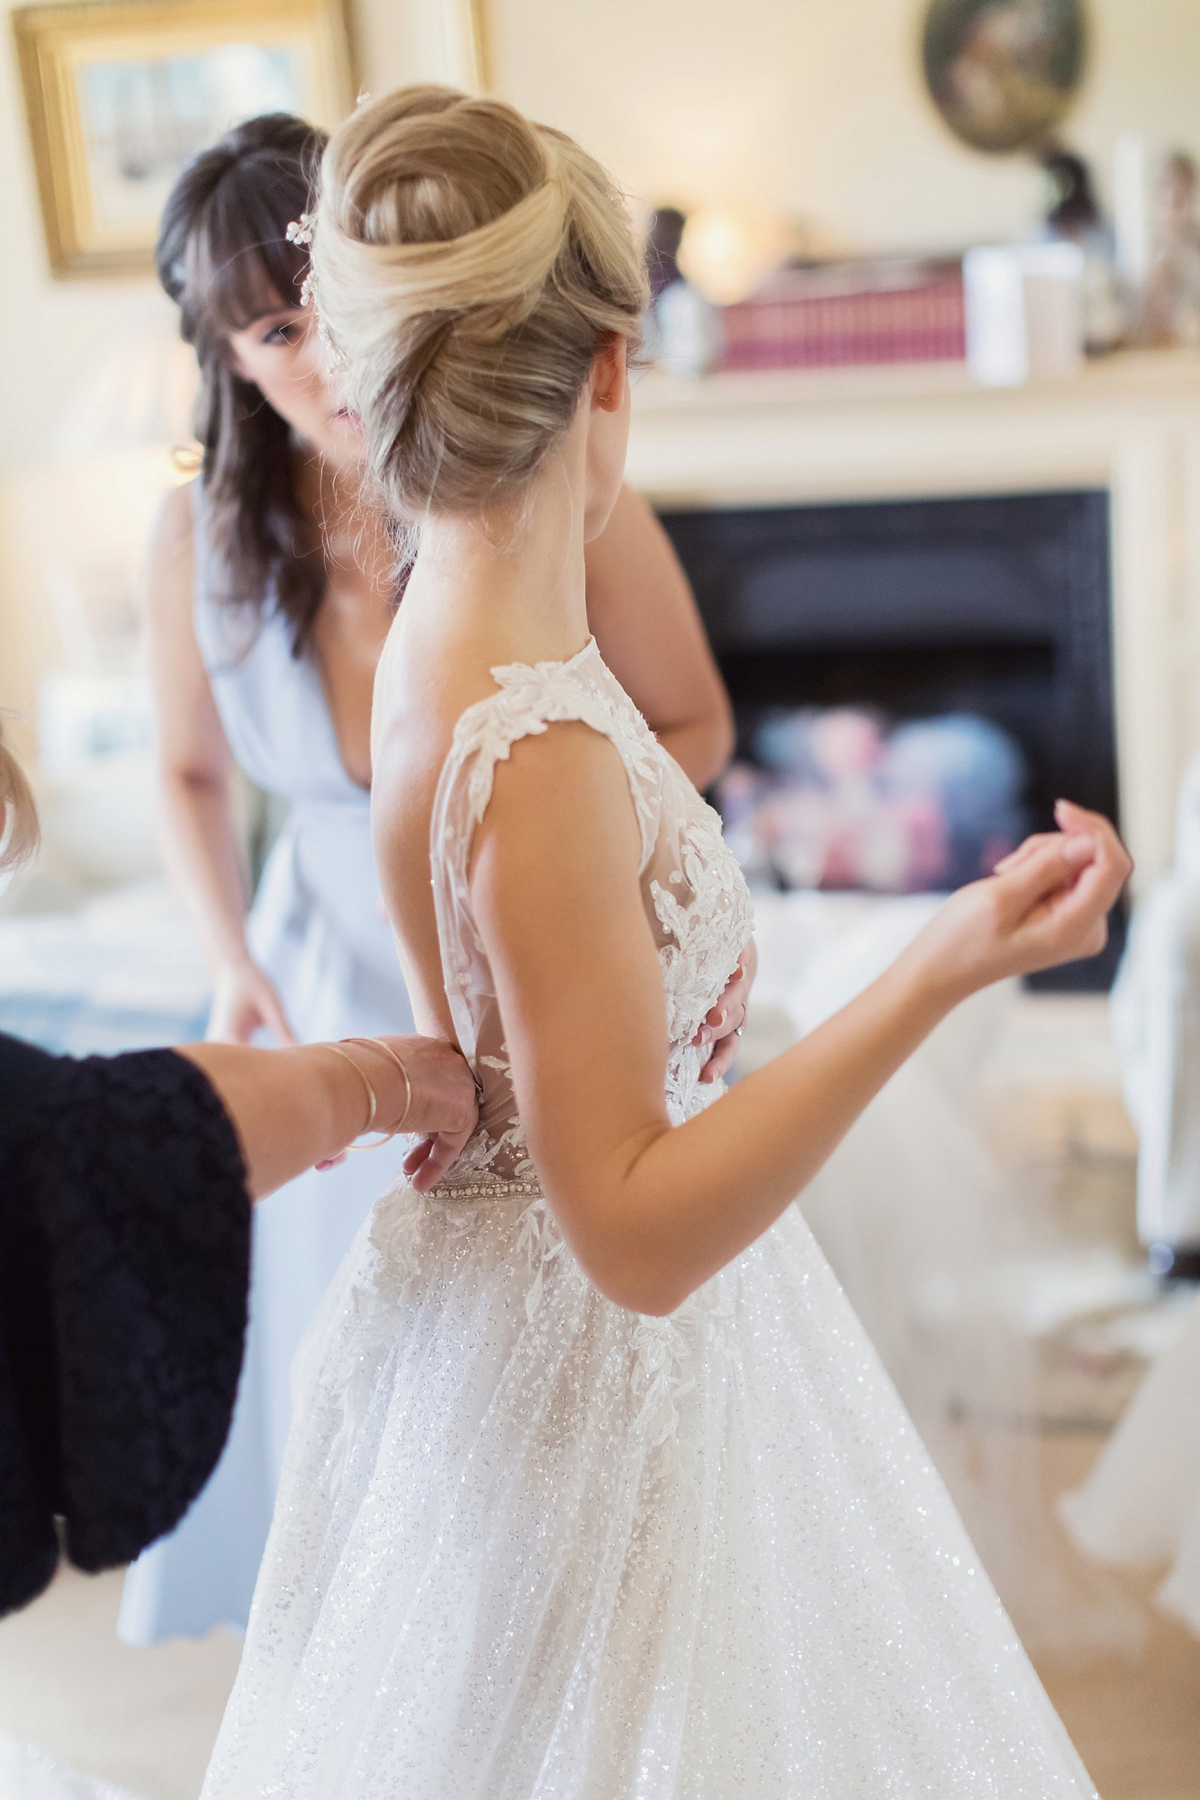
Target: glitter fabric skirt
[{"x": 530, "y": 1546}]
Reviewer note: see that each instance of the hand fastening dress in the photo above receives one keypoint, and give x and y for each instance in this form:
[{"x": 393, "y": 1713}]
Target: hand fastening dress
[{"x": 531, "y": 1546}]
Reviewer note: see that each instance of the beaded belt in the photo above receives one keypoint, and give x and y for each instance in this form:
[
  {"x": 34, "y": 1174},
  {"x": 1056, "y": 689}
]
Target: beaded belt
[{"x": 495, "y": 1189}]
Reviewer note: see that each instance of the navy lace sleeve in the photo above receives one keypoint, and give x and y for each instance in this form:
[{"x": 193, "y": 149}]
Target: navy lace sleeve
[{"x": 124, "y": 1272}]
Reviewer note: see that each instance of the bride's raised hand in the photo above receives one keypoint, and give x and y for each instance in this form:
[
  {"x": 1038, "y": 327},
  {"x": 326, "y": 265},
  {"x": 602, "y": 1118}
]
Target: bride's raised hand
[{"x": 1046, "y": 904}]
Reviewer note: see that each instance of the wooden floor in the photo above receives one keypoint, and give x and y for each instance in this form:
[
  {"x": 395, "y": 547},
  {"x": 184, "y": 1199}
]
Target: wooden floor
[
  {"x": 1054, "y": 1118},
  {"x": 1136, "y": 1724},
  {"x": 144, "y": 1720}
]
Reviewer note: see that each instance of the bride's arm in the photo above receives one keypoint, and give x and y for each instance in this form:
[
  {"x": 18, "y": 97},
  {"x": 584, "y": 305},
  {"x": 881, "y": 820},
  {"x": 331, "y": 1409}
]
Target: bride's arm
[{"x": 650, "y": 1211}]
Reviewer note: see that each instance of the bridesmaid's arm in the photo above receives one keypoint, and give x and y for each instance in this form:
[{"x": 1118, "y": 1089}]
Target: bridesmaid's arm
[
  {"x": 200, "y": 837},
  {"x": 644, "y": 619}
]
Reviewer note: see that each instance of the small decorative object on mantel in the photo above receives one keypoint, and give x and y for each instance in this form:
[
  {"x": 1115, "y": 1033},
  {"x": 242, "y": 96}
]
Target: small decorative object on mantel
[
  {"x": 682, "y": 335},
  {"x": 1024, "y": 307},
  {"x": 1074, "y": 216},
  {"x": 1171, "y": 309},
  {"x": 120, "y": 95},
  {"x": 662, "y": 248},
  {"x": 729, "y": 247},
  {"x": 1004, "y": 73}
]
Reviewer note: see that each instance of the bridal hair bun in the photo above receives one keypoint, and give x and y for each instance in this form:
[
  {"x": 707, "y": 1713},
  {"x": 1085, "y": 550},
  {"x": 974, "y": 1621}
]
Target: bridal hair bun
[{"x": 466, "y": 265}]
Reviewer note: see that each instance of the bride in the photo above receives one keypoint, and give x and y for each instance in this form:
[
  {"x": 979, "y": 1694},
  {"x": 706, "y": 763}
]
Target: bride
[{"x": 595, "y": 1488}]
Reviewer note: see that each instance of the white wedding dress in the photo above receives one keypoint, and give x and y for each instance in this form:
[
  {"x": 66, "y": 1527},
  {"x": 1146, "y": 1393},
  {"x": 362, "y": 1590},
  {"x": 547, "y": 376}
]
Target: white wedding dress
[{"x": 530, "y": 1546}]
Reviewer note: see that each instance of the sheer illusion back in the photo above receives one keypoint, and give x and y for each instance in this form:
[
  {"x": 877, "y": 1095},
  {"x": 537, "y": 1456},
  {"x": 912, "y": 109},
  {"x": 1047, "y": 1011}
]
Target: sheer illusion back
[{"x": 696, "y": 900}]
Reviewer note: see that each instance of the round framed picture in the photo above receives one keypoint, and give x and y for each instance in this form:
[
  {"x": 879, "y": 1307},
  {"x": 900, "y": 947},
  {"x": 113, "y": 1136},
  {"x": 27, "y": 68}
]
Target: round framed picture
[{"x": 1003, "y": 73}]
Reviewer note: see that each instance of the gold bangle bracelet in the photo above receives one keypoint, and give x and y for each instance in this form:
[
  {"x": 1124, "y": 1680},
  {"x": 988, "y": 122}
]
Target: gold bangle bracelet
[
  {"x": 408, "y": 1094},
  {"x": 388, "y": 1051},
  {"x": 362, "y": 1076}
]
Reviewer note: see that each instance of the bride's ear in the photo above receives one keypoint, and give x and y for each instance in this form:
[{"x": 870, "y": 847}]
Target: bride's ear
[{"x": 610, "y": 372}]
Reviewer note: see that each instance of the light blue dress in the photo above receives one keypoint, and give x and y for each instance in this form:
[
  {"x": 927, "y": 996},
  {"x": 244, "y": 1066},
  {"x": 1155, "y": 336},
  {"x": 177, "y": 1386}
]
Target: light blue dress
[{"x": 318, "y": 930}]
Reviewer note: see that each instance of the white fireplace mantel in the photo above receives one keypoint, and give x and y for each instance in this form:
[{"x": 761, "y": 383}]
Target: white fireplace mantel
[{"x": 1130, "y": 424}]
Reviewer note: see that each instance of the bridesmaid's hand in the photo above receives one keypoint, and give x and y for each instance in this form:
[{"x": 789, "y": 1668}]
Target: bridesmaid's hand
[
  {"x": 721, "y": 1026},
  {"x": 245, "y": 1001}
]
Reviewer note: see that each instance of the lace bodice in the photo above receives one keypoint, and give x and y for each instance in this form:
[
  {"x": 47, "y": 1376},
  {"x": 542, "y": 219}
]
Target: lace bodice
[{"x": 695, "y": 898}]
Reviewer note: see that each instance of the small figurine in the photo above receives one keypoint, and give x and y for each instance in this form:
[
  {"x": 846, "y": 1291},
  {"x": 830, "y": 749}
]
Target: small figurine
[
  {"x": 1171, "y": 309},
  {"x": 1074, "y": 215},
  {"x": 662, "y": 249},
  {"x": 682, "y": 333}
]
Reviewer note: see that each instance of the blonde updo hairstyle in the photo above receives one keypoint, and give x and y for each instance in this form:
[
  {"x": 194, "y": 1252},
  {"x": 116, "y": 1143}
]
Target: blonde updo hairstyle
[{"x": 467, "y": 265}]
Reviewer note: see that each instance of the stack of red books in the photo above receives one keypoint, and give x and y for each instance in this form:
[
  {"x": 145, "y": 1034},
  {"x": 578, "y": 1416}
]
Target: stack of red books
[{"x": 854, "y": 313}]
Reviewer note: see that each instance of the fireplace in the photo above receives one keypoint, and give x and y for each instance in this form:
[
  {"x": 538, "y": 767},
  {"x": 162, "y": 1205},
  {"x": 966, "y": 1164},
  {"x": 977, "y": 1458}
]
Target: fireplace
[{"x": 997, "y": 606}]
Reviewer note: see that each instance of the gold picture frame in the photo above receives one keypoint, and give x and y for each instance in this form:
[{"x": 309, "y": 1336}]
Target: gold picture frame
[
  {"x": 479, "y": 74},
  {"x": 119, "y": 93}
]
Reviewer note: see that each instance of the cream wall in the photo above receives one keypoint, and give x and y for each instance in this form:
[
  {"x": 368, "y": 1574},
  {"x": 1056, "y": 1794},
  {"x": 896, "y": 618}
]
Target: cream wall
[
  {"x": 809, "y": 107},
  {"x": 50, "y": 328},
  {"x": 818, "y": 109}
]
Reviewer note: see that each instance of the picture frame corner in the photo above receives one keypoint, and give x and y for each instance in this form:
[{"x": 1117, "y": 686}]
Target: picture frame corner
[{"x": 79, "y": 242}]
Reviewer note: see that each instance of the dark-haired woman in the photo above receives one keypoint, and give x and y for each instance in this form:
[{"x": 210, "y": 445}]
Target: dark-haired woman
[{"x": 271, "y": 592}]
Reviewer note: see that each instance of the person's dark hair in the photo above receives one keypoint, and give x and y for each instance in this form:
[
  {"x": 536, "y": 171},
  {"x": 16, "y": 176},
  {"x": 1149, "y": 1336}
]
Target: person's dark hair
[
  {"x": 1074, "y": 208},
  {"x": 223, "y": 256},
  {"x": 19, "y": 832}
]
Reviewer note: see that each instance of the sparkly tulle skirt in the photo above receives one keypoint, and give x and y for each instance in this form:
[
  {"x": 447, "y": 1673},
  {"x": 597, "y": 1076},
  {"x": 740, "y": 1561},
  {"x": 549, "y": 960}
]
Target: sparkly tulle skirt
[{"x": 530, "y": 1546}]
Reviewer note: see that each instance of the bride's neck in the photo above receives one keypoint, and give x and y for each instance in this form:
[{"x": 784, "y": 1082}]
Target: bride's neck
[{"x": 512, "y": 578}]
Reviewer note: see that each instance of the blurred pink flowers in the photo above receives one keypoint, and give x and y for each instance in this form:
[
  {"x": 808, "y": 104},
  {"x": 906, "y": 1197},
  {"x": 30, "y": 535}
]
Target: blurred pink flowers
[{"x": 836, "y": 799}]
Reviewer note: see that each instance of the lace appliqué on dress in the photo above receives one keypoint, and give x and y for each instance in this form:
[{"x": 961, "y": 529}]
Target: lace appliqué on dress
[{"x": 693, "y": 888}]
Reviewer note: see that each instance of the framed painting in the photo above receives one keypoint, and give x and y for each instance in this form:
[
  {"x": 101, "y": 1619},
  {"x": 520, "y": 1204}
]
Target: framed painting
[
  {"x": 1004, "y": 73},
  {"x": 119, "y": 96}
]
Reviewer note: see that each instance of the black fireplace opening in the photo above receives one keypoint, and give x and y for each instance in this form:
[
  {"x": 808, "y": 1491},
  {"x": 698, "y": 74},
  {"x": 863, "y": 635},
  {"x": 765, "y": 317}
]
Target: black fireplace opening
[{"x": 995, "y": 606}]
